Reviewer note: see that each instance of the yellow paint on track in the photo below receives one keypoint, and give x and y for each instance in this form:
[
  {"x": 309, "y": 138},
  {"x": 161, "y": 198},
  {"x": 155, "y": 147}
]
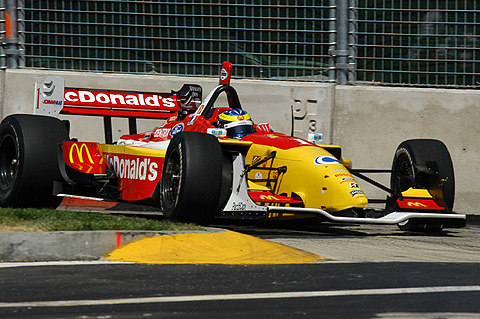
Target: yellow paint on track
[{"x": 225, "y": 247}]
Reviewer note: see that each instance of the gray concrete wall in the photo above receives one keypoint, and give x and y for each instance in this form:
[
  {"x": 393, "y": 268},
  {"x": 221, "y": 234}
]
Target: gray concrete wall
[
  {"x": 267, "y": 101},
  {"x": 368, "y": 122}
]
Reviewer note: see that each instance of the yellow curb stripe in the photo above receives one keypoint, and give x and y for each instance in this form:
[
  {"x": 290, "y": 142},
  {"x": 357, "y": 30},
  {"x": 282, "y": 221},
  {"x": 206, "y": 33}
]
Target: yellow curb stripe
[{"x": 226, "y": 247}]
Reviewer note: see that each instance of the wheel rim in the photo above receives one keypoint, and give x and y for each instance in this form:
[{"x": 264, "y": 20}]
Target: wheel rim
[
  {"x": 172, "y": 179},
  {"x": 8, "y": 161},
  {"x": 404, "y": 177}
]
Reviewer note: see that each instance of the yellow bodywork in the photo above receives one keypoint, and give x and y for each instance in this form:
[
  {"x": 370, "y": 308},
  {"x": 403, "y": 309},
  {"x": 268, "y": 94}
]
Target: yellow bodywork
[
  {"x": 417, "y": 193},
  {"x": 312, "y": 173}
]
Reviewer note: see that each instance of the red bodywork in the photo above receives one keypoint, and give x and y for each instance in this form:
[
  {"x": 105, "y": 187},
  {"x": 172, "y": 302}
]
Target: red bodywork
[{"x": 139, "y": 169}]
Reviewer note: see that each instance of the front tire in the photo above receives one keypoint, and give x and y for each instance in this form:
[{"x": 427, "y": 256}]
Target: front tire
[
  {"x": 29, "y": 146},
  {"x": 412, "y": 165},
  {"x": 191, "y": 178}
]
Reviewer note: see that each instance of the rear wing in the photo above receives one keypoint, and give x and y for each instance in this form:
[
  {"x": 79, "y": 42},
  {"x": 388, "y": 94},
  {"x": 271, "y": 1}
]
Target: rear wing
[{"x": 53, "y": 99}]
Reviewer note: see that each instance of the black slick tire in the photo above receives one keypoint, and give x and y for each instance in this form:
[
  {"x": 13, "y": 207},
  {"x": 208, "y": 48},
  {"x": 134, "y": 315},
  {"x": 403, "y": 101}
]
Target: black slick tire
[
  {"x": 191, "y": 178},
  {"x": 413, "y": 161},
  {"x": 29, "y": 146}
]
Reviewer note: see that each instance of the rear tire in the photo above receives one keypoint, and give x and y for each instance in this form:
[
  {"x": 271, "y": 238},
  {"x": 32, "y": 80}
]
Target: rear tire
[
  {"x": 192, "y": 178},
  {"x": 412, "y": 158},
  {"x": 29, "y": 146}
]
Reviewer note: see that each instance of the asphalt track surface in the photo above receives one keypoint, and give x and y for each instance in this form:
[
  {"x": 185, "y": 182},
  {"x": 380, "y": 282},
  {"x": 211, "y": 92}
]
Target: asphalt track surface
[
  {"x": 372, "y": 243},
  {"x": 318, "y": 290},
  {"x": 370, "y": 272}
]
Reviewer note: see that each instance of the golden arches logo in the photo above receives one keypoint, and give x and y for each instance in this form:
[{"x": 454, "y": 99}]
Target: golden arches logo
[
  {"x": 416, "y": 204},
  {"x": 268, "y": 197},
  {"x": 80, "y": 150}
]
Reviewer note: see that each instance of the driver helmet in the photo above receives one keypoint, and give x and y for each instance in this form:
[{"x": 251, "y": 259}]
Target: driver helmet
[{"x": 237, "y": 122}]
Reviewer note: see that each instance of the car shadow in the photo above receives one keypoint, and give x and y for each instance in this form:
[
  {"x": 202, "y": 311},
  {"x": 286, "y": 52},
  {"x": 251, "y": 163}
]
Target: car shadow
[{"x": 316, "y": 228}]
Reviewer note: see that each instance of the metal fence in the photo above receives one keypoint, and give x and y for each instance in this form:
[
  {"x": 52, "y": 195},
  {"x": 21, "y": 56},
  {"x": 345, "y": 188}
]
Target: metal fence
[
  {"x": 431, "y": 42},
  {"x": 423, "y": 42},
  {"x": 261, "y": 38}
]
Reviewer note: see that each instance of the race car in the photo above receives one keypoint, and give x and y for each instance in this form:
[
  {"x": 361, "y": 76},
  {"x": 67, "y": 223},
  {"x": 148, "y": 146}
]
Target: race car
[{"x": 207, "y": 160}]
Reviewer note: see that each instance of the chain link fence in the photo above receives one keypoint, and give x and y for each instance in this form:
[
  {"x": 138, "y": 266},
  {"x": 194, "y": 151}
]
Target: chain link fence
[
  {"x": 417, "y": 43},
  {"x": 432, "y": 43},
  {"x": 263, "y": 39}
]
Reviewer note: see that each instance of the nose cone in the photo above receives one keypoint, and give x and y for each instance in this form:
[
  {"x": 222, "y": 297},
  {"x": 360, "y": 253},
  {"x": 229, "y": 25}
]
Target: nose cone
[
  {"x": 312, "y": 173},
  {"x": 336, "y": 189},
  {"x": 341, "y": 189}
]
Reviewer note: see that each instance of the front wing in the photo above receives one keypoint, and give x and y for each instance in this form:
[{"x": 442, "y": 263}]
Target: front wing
[{"x": 240, "y": 205}]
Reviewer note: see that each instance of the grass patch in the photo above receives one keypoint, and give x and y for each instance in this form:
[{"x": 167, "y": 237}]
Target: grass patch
[{"x": 29, "y": 219}]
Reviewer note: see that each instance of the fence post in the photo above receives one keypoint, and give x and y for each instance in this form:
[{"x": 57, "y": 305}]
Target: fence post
[
  {"x": 342, "y": 50},
  {"x": 21, "y": 33},
  {"x": 352, "y": 41},
  {"x": 11, "y": 34},
  {"x": 332, "y": 39}
]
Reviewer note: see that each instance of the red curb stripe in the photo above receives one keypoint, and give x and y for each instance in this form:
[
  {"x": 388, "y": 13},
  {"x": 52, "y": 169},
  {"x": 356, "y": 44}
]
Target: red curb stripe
[{"x": 119, "y": 239}]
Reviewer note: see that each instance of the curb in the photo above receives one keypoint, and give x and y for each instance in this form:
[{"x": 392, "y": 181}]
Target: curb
[
  {"x": 208, "y": 246},
  {"x": 225, "y": 247},
  {"x": 16, "y": 246},
  {"x": 71, "y": 245}
]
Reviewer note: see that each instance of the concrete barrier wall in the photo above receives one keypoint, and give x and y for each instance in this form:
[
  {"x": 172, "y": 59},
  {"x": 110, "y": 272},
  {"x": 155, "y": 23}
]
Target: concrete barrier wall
[
  {"x": 267, "y": 101},
  {"x": 368, "y": 122}
]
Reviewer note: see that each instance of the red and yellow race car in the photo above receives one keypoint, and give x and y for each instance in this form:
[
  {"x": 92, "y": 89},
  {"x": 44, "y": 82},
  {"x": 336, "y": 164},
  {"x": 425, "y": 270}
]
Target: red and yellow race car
[{"x": 209, "y": 160}]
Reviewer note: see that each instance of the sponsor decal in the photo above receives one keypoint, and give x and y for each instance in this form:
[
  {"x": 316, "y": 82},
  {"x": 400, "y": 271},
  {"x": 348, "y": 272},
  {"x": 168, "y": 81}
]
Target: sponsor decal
[
  {"x": 344, "y": 174},
  {"x": 420, "y": 204},
  {"x": 118, "y": 99},
  {"x": 354, "y": 185},
  {"x": 135, "y": 168},
  {"x": 84, "y": 157},
  {"x": 272, "y": 198},
  {"x": 54, "y": 102},
  {"x": 161, "y": 132},
  {"x": 49, "y": 97},
  {"x": 347, "y": 179},
  {"x": 218, "y": 132},
  {"x": 268, "y": 197},
  {"x": 200, "y": 109},
  {"x": 177, "y": 129},
  {"x": 258, "y": 176},
  {"x": 80, "y": 150},
  {"x": 239, "y": 206},
  {"x": 416, "y": 204},
  {"x": 325, "y": 160},
  {"x": 223, "y": 74},
  {"x": 356, "y": 192}
]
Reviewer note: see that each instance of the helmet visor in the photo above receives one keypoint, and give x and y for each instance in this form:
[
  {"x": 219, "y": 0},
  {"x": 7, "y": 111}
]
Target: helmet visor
[{"x": 239, "y": 128}]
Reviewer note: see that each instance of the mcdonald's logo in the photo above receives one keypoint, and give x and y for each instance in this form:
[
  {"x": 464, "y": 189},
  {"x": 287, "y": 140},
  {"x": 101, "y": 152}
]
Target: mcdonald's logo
[
  {"x": 416, "y": 204},
  {"x": 268, "y": 197},
  {"x": 80, "y": 151}
]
